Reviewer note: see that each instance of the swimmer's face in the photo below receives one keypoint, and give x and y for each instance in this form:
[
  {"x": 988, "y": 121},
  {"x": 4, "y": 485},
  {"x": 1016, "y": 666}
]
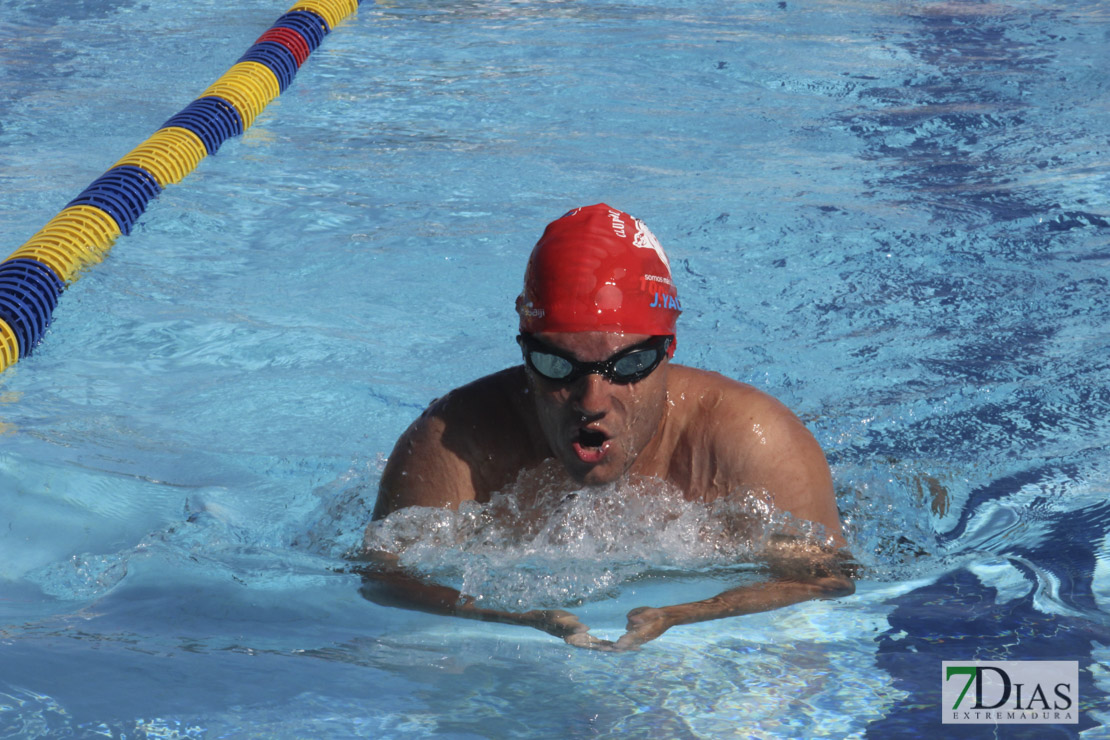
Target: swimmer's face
[{"x": 595, "y": 427}]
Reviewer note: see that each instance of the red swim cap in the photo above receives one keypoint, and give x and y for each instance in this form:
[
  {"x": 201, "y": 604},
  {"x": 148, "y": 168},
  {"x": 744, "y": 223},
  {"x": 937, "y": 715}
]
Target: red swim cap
[{"x": 598, "y": 269}]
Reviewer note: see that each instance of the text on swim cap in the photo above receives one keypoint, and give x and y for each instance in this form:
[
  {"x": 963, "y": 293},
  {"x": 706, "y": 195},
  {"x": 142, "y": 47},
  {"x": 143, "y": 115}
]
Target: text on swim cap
[
  {"x": 618, "y": 224},
  {"x": 529, "y": 311},
  {"x": 666, "y": 301},
  {"x": 644, "y": 280}
]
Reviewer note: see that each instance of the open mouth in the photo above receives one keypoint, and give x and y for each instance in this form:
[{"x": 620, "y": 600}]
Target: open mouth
[
  {"x": 591, "y": 445},
  {"x": 591, "y": 437}
]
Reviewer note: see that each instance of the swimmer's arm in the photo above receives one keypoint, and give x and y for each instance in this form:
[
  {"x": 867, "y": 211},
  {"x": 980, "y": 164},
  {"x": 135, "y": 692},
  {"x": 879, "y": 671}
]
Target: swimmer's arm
[
  {"x": 386, "y": 583},
  {"x": 793, "y": 581},
  {"x": 463, "y": 447},
  {"x": 422, "y": 471},
  {"x": 764, "y": 446}
]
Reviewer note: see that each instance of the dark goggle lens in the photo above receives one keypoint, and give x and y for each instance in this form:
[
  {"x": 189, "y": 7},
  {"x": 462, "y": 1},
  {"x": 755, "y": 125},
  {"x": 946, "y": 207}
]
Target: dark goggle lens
[
  {"x": 550, "y": 366},
  {"x": 637, "y": 363},
  {"x": 630, "y": 366}
]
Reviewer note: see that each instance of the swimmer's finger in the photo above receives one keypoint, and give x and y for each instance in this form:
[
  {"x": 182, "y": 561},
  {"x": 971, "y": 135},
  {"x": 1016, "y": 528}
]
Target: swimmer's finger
[
  {"x": 570, "y": 622},
  {"x": 555, "y": 622},
  {"x": 644, "y": 624},
  {"x": 589, "y": 642},
  {"x": 628, "y": 642}
]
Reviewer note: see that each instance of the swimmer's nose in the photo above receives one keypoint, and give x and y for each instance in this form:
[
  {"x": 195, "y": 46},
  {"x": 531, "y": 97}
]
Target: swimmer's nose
[{"x": 593, "y": 393}]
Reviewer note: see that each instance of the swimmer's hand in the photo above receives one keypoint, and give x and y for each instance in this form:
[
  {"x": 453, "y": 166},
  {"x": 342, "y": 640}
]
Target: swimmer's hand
[
  {"x": 644, "y": 624},
  {"x": 554, "y": 622},
  {"x": 563, "y": 624}
]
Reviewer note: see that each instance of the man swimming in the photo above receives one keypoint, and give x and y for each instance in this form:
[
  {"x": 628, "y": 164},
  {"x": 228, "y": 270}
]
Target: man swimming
[{"x": 598, "y": 400}]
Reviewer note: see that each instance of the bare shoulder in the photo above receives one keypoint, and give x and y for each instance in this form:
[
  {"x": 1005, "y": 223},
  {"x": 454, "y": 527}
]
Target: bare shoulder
[
  {"x": 721, "y": 403},
  {"x": 456, "y": 449},
  {"x": 755, "y": 442}
]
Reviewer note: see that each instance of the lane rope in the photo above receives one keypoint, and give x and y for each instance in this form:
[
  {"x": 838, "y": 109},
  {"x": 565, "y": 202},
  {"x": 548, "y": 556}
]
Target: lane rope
[{"x": 33, "y": 277}]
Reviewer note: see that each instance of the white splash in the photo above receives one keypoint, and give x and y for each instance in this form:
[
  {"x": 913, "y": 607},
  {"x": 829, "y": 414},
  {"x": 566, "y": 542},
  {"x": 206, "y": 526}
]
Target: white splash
[{"x": 550, "y": 547}]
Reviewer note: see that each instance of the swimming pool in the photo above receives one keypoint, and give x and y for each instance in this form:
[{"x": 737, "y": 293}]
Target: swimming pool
[{"x": 894, "y": 217}]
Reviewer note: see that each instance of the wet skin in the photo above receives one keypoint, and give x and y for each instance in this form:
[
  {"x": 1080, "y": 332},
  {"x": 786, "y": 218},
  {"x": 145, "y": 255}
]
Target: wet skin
[
  {"x": 595, "y": 427},
  {"x": 706, "y": 434}
]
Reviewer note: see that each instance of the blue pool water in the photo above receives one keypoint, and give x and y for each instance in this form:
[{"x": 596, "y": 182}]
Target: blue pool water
[{"x": 893, "y": 216}]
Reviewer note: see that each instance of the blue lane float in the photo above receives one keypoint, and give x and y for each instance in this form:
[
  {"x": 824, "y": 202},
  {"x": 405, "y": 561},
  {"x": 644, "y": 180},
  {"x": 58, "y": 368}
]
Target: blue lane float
[
  {"x": 278, "y": 58},
  {"x": 29, "y": 292},
  {"x": 122, "y": 193},
  {"x": 214, "y": 120},
  {"x": 307, "y": 24},
  {"x": 33, "y": 277}
]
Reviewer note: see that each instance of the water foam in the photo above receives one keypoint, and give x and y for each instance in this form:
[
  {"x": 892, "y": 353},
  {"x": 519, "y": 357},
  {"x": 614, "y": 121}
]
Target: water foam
[{"x": 545, "y": 546}]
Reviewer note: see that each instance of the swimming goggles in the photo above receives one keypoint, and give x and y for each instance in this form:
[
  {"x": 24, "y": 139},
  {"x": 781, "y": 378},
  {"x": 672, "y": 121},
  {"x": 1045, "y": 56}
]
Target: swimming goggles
[{"x": 627, "y": 366}]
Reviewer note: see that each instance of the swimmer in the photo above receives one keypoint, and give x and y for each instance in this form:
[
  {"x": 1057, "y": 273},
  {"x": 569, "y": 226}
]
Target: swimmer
[{"x": 598, "y": 399}]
